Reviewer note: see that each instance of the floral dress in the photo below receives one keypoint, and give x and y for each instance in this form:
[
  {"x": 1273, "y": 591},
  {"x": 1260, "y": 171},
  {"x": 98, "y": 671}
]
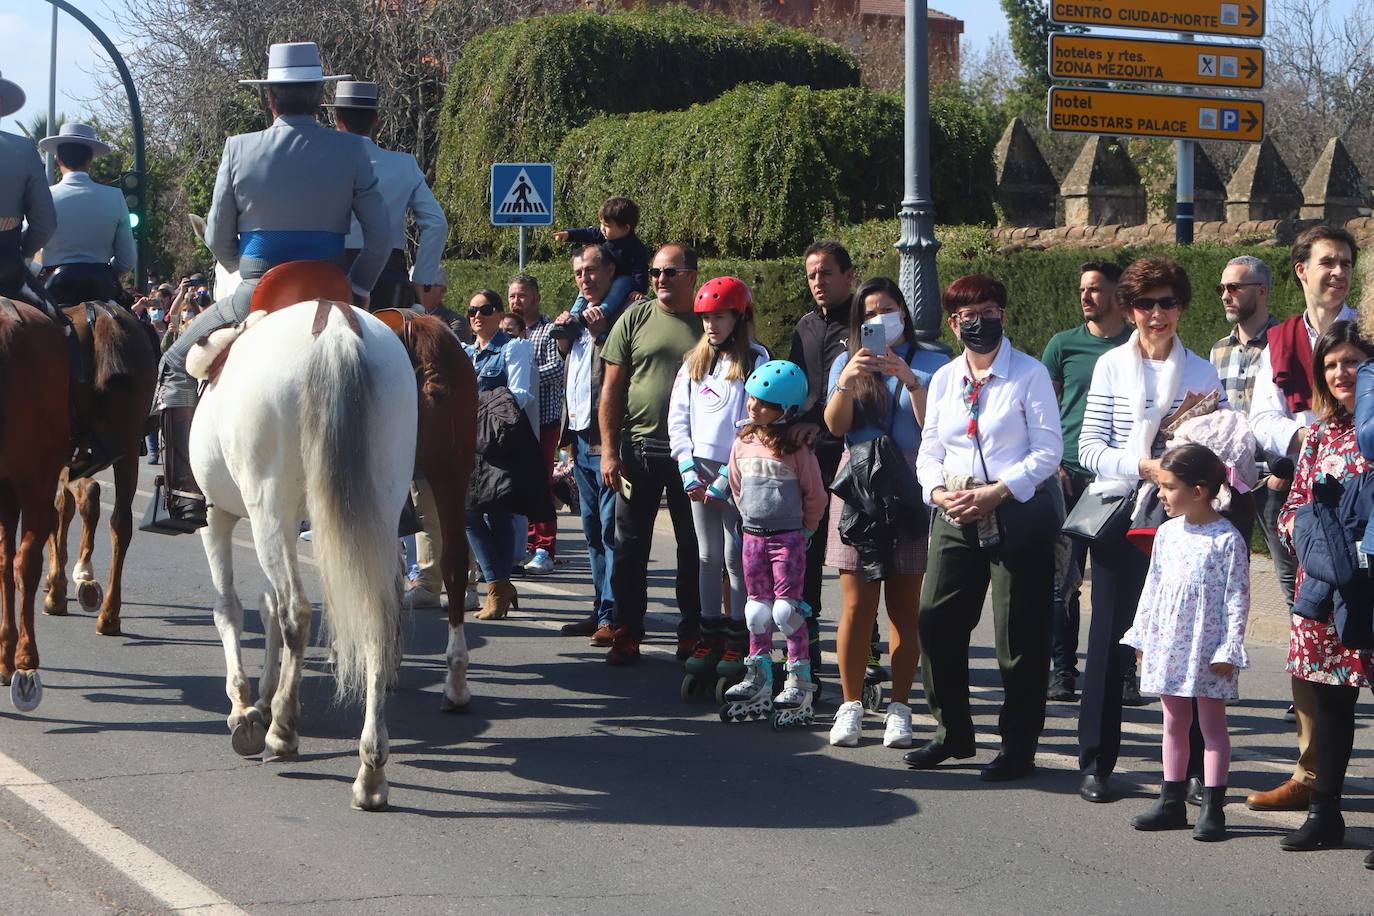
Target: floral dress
[
  {"x": 1193, "y": 610},
  {"x": 1315, "y": 650}
]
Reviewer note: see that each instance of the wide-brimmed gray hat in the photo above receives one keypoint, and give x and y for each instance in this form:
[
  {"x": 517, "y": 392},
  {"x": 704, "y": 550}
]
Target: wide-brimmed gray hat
[
  {"x": 354, "y": 94},
  {"x": 11, "y": 97},
  {"x": 74, "y": 132},
  {"x": 294, "y": 62}
]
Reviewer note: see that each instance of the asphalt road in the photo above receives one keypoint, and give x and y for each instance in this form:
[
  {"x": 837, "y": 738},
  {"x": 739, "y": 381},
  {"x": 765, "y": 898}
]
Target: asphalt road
[{"x": 574, "y": 787}]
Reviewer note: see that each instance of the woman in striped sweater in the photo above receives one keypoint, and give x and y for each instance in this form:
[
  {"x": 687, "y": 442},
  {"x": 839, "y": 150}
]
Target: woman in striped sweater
[{"x": 1136, "y": 389}]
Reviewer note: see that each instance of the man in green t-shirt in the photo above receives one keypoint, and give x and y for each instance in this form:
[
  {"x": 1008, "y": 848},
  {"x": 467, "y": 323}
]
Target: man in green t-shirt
[
  {"x": 1070, "y": 356},
  {"x": 643, "y": 354}
]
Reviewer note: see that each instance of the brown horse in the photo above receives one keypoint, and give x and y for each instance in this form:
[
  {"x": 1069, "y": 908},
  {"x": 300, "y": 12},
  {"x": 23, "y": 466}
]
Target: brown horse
[
  {"x": 34, "y": 445},
  {"x": 444, "y": 456},
  {"x": 123, "y": 377}
]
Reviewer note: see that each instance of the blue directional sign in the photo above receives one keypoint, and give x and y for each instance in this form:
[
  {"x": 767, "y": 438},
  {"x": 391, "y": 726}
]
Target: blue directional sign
[{"x": 522, "y": 194}]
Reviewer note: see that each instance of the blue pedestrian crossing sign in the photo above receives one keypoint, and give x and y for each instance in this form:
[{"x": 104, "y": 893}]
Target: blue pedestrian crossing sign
[{"x": 522, "y": 194}]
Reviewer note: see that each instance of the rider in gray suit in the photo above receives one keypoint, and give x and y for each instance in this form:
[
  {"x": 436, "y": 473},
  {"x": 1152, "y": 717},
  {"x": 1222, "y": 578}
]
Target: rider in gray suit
[
  {"x": 282, "y": 194},
  {"x": 24, "y": 198}
]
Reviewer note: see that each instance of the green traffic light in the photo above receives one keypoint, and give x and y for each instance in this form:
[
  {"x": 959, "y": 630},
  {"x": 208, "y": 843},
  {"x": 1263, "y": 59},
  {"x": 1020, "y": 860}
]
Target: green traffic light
[{"x": 133, "y": 220}]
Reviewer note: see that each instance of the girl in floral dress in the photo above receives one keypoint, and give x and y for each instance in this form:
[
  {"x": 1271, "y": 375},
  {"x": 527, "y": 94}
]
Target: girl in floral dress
[
  {"x": 1189, "y": 633},
  {"x": 1325, "y": 672}
]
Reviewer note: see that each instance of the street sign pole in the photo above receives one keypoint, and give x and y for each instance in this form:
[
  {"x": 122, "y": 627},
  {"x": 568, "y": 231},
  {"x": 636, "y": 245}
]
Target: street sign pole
[
  {"x": 522, "y": 249},
  {"x": 1183, "y": 184}
]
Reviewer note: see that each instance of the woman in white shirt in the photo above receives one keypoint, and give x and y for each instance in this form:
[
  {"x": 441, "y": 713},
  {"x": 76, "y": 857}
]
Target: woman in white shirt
[
  {"x": 990, "y": 451},
  {"x": 1135, "y": 389}
]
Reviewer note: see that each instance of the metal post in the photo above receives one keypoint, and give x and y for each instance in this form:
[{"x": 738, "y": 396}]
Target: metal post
[
  {"x": 522, "y": 249},
  {"x": 1183, "y": 184},
  {"x": 917, "y": 245},
  {"x": 135, "y": 115},
  {"x": 52, "y": 97}
]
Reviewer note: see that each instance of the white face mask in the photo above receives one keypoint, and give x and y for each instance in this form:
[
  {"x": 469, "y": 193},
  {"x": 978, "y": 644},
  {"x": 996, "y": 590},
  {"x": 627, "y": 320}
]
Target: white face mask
[
  {"x": 891, "y": 325},
  {"x": 155, "y": 314}
]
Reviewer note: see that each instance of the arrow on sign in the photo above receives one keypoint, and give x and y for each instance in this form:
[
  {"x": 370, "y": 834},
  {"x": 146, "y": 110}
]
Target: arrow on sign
[
  {"x": 1250, "y": 120},
  {"x": 1249, "y": 68},
  {"x": 1250, "y": 15}
]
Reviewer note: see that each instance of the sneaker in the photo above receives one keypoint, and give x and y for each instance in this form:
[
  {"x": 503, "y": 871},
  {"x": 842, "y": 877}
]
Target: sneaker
[
  {"x": 848, "y": 721},
  {"x": 306, "y": 536},
  {"x": 541, "y": 564},
  {"x": 897, "y": 732},
  {"x": 604, "y": 636},
  {"x": 1290, "y": 714},
  {"x": 1130, "y": 694},
  {"x": 419, "y": 597},
  {"x": 1062, "y": 687}
]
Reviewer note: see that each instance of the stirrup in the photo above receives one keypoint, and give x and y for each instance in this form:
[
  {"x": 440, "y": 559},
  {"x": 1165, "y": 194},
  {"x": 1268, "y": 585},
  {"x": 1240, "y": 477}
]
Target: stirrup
[{"x": 159, "y": 519}]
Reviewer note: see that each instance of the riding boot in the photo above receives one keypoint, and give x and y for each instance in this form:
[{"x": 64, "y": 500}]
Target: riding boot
[
  {"x": 1324, "y": 827},
  {"x": 184, "y": 503}
]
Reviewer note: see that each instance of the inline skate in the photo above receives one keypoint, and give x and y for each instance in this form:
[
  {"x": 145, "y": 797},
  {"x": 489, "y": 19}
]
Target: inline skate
[
  {"x": 793, "y": 706},
  {"x": 751, "y": 698},
  {"x": 731, "y": 666},
  {"x": 700, "y": 666}
]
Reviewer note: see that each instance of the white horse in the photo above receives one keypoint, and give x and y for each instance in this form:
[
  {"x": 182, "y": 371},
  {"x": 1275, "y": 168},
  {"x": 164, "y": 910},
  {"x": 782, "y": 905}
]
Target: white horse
[{"x": 324, "y": 427}]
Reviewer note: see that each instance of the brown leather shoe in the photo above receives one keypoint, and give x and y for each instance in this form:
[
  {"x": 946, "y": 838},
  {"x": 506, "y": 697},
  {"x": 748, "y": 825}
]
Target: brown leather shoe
[
  {"x": 584, "y": 627},
  {"x": 624, "y": 648},
  {"x": 604, "y": 636},
  {"x": 1290, "y": 795}
]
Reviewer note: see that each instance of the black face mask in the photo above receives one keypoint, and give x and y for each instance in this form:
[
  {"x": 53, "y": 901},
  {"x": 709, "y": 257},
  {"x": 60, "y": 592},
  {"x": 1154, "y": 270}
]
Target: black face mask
[{"x": 982, "y": 334}]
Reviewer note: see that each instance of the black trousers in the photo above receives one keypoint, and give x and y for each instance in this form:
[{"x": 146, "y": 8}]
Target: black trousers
[
  {"x": 1333, "y": 735},
  {"x": 1064, "y": 649},
  {"x": 1118, "y": 576},
  {"x": 957, "y": 579},
  {"x": 828, "y": 454},
  {"x": 649, "y": 478},
  {"x": 71, "y": 284}
]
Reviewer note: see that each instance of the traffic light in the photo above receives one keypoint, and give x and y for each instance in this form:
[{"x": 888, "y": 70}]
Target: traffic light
[{"x": 131, "y": 183}]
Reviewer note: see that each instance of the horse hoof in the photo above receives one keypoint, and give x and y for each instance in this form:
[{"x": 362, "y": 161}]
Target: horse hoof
[
  {"x": 248, "y": 738},
  {"x": 104, "y": 627},
  {"x": 449, "y": 706},
  {"x": 55, "y": 607},
  {"x": 26, "y": 691},
  {"x": 89, "y": 595},
  {"x": 282, "y": 757},
  {"x": 365, "y": 799}
]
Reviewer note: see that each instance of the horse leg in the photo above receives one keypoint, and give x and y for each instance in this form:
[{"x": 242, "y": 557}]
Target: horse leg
[
  {"x": 9, "y": 527},
  {"x": 217, "y": 536},
  {"x": 275, "y": 540},
  {"x": 370, "y": 787},
  {"x": 271, "y": 663},
  {"x": 121, "y": 533},
  {"x": 55, "y": 604},
  {"x": 453, "y": 563},
  {"x": 83, "y": 573},
  {"x": 37, "y": 513}
]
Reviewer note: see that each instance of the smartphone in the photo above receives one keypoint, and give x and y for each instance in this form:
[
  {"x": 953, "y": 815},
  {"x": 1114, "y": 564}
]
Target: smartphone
[
  {"x": 873, "y": 338},
  {"x": 626, "y": 490}
]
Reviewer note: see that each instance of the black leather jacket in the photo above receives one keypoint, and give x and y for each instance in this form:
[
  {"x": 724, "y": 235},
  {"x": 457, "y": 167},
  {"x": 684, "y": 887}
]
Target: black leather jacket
[{"x": 882, "y": 501}]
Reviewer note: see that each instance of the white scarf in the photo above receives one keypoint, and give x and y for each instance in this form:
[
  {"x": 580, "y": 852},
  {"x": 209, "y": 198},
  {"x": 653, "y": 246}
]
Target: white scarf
[{"x": 1145, "y": 423}]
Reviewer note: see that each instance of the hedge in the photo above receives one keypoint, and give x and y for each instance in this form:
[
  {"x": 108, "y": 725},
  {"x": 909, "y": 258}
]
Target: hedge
[
  {"x": 1042, "y": 286},
  {"x": 756, "y": 172},
  {"x": 517, "y": 90}
]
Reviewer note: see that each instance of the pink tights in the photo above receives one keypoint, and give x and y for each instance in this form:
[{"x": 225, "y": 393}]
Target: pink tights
[
  {"x": 798, "y": 644},
  {"x": 1178, "y": 719}
]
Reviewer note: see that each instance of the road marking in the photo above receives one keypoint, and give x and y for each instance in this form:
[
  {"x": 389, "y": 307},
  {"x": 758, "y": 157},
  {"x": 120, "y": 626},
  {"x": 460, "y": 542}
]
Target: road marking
[{"x": 137, "y": 862}]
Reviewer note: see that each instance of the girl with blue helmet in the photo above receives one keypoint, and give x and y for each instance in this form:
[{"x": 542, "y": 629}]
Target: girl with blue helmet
[{"x": 776, "y": 485}]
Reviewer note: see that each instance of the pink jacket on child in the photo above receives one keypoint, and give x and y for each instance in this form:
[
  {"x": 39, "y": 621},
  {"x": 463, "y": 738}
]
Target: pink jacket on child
[{"x": 776, "y": 492}]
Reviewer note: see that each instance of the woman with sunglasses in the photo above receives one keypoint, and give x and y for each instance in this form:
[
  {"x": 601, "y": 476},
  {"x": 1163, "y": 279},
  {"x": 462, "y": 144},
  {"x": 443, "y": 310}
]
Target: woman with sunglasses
[
  {"x": 501, "y": 362},
  {"x": 1136, "y": 389}
]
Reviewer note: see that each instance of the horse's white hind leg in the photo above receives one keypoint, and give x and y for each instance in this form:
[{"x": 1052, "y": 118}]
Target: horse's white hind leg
[
  {"x": 276, "y": 548},
  {"x": 370, "y": 788},
  {"x": 217, "y": 537},
  {"x": 271, "y": 663},
  {"x": 457, "y": 696}
]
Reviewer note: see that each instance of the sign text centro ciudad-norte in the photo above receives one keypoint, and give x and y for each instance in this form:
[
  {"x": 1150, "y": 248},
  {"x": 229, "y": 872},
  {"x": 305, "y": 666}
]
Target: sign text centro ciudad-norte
[
  {"x": 1095, "y": 58},
  {"x": 1243, "y": 19}
]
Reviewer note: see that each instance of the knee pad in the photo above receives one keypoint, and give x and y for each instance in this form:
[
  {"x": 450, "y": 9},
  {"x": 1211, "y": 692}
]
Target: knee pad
[
  {"x": 788, "y": 615},
  {"x": 758, "y": 616}
]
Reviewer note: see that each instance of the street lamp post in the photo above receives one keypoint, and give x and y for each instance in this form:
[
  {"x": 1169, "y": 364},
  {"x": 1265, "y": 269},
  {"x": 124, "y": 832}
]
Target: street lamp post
[
  {"x": 917, "y": 246},
  {"x": 135, "y": 113}
]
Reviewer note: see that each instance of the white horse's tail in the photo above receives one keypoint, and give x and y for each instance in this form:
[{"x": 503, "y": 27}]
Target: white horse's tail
[{"x": 353, "y": 532}]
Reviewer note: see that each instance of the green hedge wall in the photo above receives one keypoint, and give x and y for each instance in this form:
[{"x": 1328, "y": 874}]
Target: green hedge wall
[
  {"x": 755, "y": 172},
  {"x": 1042, "y": 285},
  {"x": 517, "y": 90}
]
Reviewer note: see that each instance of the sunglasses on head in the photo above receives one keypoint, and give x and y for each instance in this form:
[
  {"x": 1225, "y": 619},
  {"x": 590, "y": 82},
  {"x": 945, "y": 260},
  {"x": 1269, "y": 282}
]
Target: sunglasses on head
[
  {"x": 475, "y": 310},
  {"x": 666, "y": 273},
  {"x": 1144, "y": 304}
]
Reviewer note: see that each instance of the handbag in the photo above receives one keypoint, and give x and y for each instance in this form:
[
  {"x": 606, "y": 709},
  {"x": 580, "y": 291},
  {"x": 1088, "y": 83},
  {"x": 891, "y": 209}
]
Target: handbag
[
  {"x": 1099, "y": 516},
  {"x": 1019, "y": 524},
  {"x": 1149, "y": 514}
]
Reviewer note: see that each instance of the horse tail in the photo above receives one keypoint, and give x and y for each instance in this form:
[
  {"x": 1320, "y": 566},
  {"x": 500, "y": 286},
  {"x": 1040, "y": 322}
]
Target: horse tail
[{"x": 354, "y": 533}]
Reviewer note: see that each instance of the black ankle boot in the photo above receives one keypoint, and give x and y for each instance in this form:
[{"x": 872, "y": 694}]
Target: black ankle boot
[
  {"x": 1324, "y": 827},
  {"x": 1369, "y": 860},
  {"x": 1211, "y": 820},
  {"x": 1169, "y": 813}
]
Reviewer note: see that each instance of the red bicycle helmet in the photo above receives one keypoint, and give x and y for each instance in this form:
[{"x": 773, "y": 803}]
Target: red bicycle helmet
[{"x": 723, "y": 294}]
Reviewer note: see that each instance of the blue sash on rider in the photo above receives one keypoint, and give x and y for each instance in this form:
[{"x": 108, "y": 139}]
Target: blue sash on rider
[{"x": 277, "y": 246}]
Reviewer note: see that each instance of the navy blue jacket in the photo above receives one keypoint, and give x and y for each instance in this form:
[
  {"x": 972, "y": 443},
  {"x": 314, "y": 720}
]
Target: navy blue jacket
[
  {"x": 1326, "y": 537},
  {"x": 630, "y": 255}
]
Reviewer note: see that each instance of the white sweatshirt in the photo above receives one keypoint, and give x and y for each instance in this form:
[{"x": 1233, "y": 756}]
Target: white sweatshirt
[{"x": 702, "y": 415}]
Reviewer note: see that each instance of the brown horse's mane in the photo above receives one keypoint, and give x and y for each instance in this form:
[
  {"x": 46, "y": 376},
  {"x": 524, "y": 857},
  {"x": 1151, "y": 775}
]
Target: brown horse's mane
[{"x": 437, "y": 354}]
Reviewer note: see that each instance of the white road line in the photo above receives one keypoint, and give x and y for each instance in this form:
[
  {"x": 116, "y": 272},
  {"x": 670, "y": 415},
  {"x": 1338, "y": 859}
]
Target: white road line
[{"x": 137, "y": 862}]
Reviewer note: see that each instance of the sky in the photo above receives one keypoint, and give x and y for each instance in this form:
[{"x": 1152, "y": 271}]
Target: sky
[{"x": 25, "y": 35}]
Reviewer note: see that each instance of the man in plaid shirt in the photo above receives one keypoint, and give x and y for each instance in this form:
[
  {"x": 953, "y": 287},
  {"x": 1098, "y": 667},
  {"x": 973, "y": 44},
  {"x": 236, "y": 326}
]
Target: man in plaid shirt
[
  {"x": 523, "y": 295},
  {"x": 1244, "y": 292}
]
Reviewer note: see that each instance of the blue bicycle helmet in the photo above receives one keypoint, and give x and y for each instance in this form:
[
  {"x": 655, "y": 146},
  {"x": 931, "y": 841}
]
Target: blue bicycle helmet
[{"x": 780, "y": 382}]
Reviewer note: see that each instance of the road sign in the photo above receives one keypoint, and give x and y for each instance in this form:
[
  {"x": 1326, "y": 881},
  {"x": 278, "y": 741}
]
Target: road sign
[
  {"x": 1142, "y": 114},
  {"x": 1244, "y": 18},
  {"x": 522, "y": 194},
  {"x": 1146, "y": 60}
]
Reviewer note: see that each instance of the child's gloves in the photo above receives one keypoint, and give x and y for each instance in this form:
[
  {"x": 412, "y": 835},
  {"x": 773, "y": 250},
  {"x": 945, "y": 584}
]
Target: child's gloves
[{"x": 688, "y": 469}]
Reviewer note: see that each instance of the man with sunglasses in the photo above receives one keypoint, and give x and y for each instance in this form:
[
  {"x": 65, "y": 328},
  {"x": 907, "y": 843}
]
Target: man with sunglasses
[
  {"x": 1323, "y": 260},
  {"x": 643, "y": 353}
]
